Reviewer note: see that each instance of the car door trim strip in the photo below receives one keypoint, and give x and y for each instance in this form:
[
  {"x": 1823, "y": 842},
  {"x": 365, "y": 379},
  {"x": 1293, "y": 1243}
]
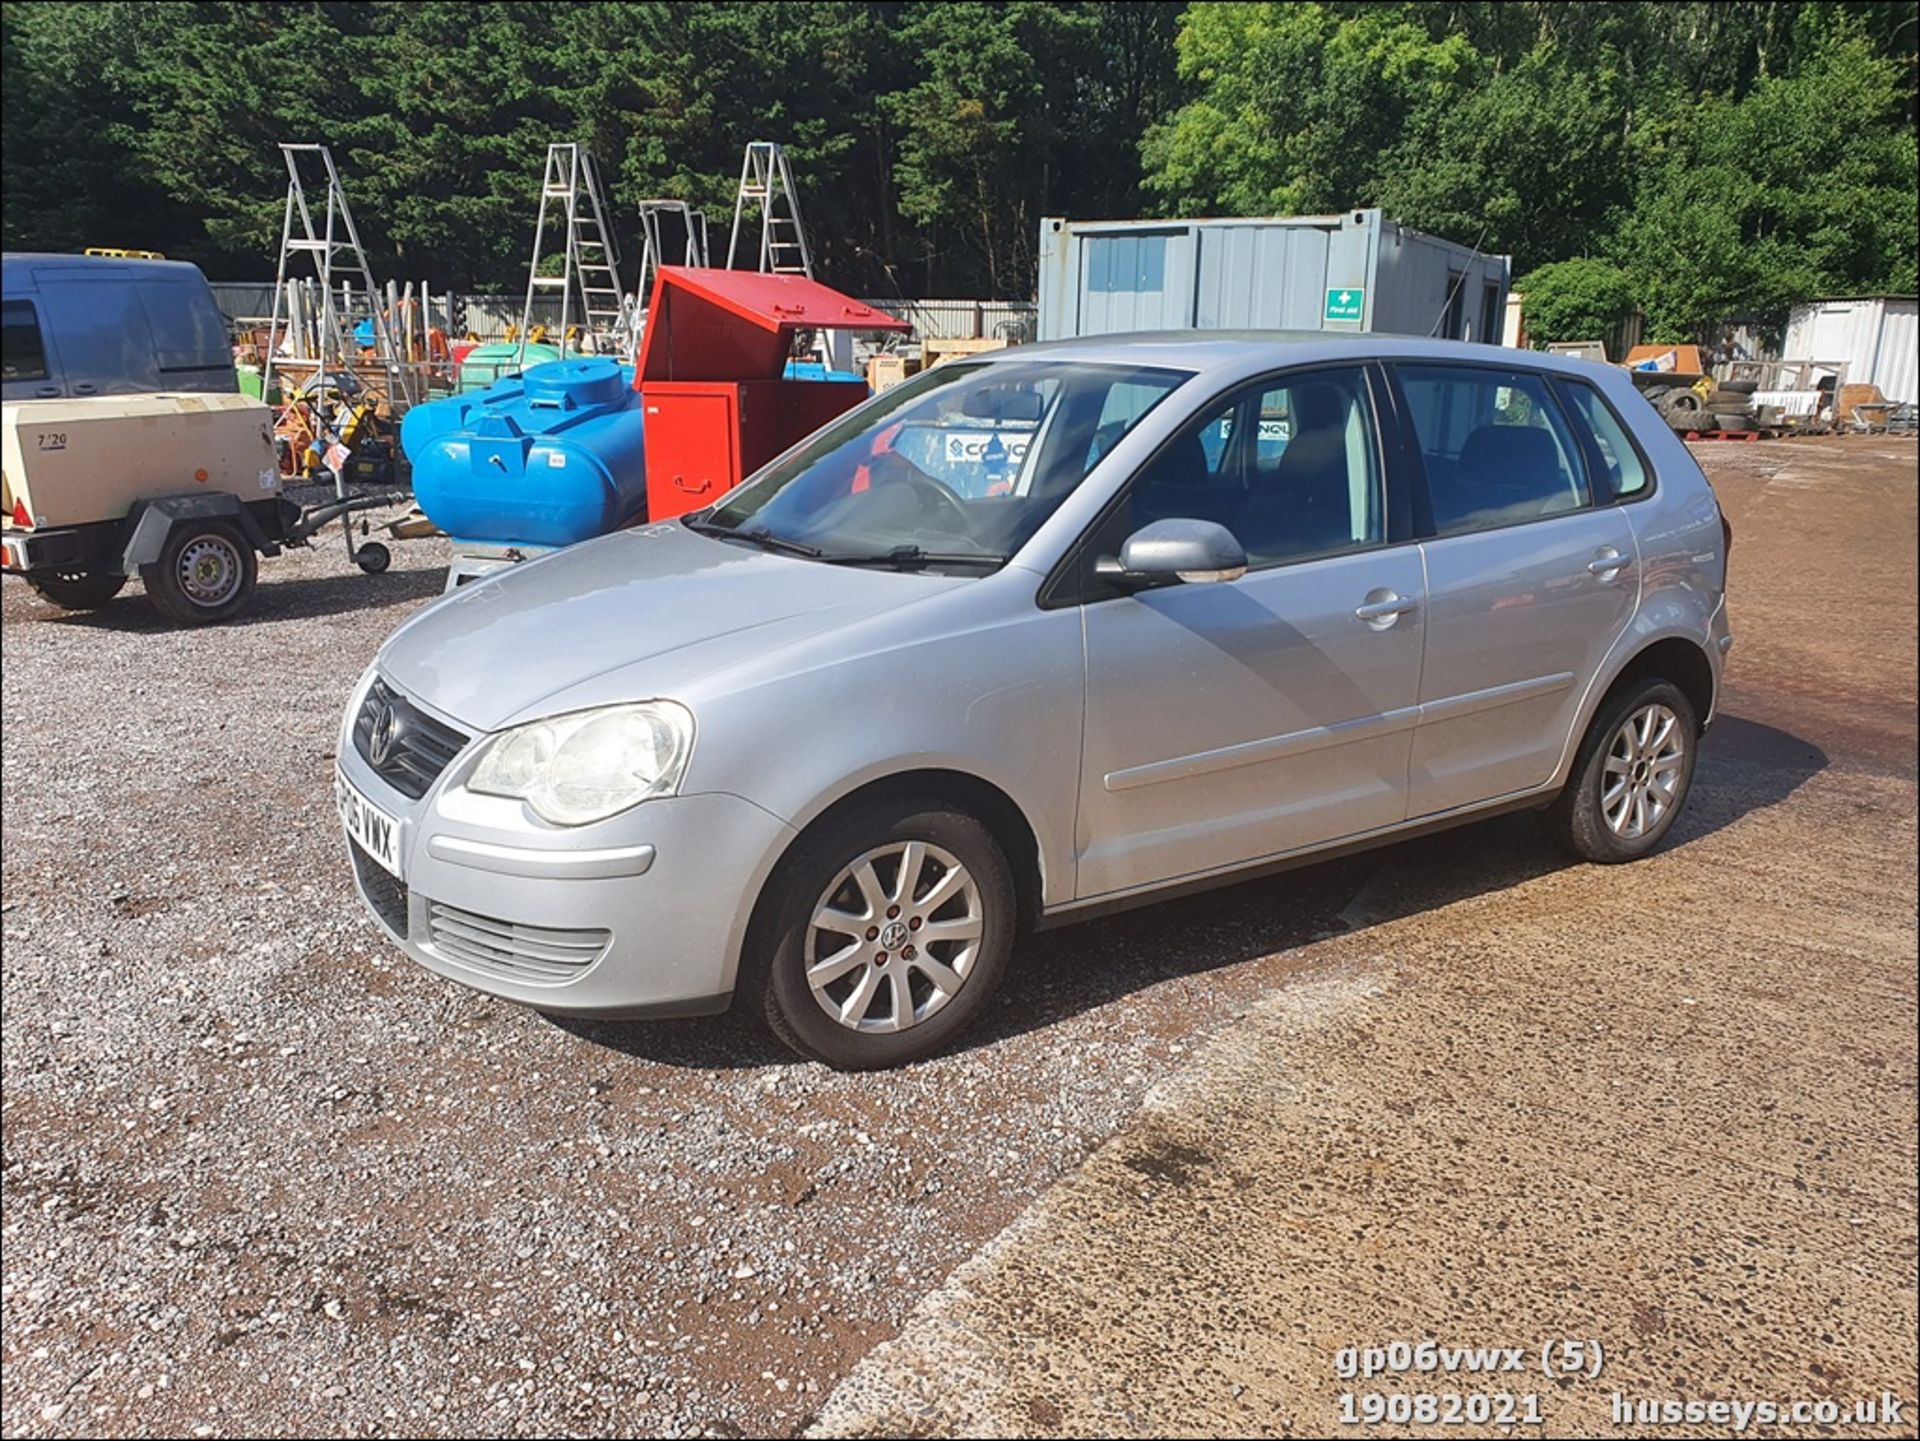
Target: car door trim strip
[{"x": 1314, "y": 738}]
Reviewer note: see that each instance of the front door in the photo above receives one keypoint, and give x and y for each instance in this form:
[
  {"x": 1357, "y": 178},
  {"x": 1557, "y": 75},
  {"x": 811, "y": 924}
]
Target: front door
[
  {"x": 1529, "y": 583},
  {"x": 1231, "y": 721}
]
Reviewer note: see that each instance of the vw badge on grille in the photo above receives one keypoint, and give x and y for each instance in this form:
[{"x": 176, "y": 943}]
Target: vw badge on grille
[{"x": 381, "y": 730}]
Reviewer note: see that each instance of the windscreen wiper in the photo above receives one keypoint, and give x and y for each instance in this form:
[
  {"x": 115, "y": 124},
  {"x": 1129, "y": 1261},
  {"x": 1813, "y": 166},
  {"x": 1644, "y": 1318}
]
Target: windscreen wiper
[
  {"x": 912, "y": 557},
  {"x": 756, "y": 535}
]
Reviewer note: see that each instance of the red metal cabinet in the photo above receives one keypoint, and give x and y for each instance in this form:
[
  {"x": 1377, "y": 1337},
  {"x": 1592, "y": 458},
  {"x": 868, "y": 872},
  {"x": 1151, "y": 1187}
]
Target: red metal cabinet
[{"x": 710, "y": 377}]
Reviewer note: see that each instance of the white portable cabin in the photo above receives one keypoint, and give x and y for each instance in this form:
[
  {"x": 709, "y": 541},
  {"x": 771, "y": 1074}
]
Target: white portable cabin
[{"x": 1877, "y": 337}]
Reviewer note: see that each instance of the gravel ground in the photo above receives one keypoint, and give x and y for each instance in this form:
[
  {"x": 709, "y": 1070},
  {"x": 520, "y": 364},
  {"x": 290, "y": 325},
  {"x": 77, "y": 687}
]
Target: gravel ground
[{"x": 263, "y": 1175}]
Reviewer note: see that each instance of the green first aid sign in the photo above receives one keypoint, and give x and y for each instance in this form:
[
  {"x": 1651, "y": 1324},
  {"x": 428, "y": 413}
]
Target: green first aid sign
[{"x": 1346, "y": 304}]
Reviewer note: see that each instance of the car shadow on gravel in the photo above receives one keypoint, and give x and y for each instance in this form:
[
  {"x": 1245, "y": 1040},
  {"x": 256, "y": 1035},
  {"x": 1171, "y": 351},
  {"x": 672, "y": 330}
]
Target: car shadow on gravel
[
  {"x": 274, "y": 601},
  {"x": 1057, "y": 974}
]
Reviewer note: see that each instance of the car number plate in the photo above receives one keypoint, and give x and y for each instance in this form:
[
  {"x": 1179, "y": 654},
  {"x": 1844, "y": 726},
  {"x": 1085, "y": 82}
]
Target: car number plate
[{"x": 376, "y": 832}]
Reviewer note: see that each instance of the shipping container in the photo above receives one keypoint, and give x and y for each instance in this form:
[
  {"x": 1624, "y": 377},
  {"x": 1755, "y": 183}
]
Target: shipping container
[
  {"x": 1352, "y": 272},
  {"x": 1877, "y": 337}
]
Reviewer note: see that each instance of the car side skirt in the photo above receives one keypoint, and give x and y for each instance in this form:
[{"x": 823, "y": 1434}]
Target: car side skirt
[{"x": 1073, "y": 912}]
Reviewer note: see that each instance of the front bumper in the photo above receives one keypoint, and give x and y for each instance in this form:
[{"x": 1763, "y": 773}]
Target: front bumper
[{"x": 642, "y": 914}]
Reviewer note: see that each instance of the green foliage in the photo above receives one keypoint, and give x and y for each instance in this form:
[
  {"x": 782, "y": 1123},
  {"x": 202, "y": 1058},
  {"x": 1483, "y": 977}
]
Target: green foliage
[
  {"x": 1701, "y": 158},
  {"x": 1725, "y": 158},
  {"x": 926, "y": 140},
  {"x": 1575, "y": 300}
]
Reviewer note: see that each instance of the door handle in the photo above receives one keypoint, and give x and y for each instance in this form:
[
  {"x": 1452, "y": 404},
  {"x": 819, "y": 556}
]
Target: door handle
[
  {"x": 47, "y": 392},
  {"x": 1383, "y": 612},
  {"x": 85, "y": 388},
  {"x": 1607, "y": 563}
]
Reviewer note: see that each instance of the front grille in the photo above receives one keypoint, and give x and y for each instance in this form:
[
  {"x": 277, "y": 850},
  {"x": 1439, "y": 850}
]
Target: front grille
[
  {"x": 384, "y": 892},
  {"x": 413, "y": 748},
  {"x": 531, "y": 955}
]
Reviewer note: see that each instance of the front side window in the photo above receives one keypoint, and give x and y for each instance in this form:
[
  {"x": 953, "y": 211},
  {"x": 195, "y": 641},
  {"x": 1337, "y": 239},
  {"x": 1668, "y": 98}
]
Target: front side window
[
  {"x": 959, "y": 466},
  {"x": 1625, "y": 474},
  {"x": 1495, "y": 447},
  {"x": 1290, "y": 466},
  {"x": 23, "y": 356}
]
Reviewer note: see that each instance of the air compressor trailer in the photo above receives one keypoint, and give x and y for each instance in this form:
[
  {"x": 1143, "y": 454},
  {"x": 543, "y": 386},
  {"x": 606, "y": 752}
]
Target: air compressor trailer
[{"x": 184, "y": 489}]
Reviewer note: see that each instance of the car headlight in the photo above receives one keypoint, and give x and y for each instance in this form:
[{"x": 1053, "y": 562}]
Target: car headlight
[{"x": 587, "y": 766}]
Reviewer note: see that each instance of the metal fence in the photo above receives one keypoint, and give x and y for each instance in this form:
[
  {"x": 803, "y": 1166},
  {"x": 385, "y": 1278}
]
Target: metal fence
[{"x": 488, "y": 317}]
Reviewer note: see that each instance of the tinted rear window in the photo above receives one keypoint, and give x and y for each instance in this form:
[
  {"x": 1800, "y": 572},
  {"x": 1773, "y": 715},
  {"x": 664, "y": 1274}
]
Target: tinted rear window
[
  {"x": 1495, "y": 446},
  {"x": 23, "y": 355}
]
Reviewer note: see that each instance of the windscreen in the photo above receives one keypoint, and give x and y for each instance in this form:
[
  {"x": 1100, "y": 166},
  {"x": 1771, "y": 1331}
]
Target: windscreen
[{"x": 964, "y": 461}]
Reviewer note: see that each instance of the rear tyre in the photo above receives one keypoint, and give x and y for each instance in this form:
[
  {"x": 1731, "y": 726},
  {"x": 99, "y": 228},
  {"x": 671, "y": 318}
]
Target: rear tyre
[
  {"x": 1631, "y": 777},
  {"x": 77, "y": 589},
  {"x": 206, "y": 573},
  {"x": 884, "y": 935}
]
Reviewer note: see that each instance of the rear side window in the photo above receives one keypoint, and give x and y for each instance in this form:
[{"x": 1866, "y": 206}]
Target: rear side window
[
  {"x": 1496, "y": 448},
  {"x": 23, "y": 355},
  {"x": 1623, "y": 472}
]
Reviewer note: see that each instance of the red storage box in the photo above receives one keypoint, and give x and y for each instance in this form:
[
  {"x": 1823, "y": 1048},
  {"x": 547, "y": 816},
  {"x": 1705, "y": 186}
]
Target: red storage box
[{"x": 710, "y": 377}]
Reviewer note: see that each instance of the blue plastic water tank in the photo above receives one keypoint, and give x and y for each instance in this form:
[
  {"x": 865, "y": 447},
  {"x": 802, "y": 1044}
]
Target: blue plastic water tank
[{"x": 549, "y": 458}]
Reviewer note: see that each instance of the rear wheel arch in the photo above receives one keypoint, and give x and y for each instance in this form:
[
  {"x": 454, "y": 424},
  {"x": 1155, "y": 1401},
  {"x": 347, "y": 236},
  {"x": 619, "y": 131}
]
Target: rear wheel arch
[{"x": 1674, "y": 658}]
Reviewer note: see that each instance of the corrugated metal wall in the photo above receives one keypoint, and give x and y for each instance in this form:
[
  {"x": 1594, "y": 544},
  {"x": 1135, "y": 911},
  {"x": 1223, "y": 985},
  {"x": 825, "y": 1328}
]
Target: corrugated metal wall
[
  {"x": 488, "y": 316},
  {"x": 1103, "y": 277},
  {"x": 1878, "y": 338}
]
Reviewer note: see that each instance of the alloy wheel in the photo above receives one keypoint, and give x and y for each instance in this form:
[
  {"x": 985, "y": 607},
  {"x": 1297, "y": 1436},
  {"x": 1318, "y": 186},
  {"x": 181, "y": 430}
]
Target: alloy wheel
[
  {"x": 1640, "y": 780},
  {"x": 894, "y": 936}
]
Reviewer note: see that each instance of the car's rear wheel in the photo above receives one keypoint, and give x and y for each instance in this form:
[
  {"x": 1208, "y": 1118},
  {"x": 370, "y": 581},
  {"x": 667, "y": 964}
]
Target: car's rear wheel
[
  {"x": 77, "y": 590},
  {"x": 887, "y": 932},
  {"x": 1632, "y": 776}
]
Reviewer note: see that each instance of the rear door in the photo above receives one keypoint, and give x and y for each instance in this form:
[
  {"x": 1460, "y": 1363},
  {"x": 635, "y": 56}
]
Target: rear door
[
  {"x": 1529, "y": 581},
  {"x": 99, "y": 328}
]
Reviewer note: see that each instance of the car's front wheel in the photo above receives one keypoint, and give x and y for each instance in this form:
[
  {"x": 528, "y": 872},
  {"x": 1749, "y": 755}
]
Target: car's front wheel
[
  {"x": 888, "y": 930},
  {"x": 1632, "y": 775}
]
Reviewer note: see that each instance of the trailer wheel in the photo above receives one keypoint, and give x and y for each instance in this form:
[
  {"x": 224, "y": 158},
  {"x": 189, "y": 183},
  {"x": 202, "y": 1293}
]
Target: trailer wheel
[
  {"x": 77, "y": 589},
  {"x": 206, "y": 573},
  {"x": 373, "y": 557}
]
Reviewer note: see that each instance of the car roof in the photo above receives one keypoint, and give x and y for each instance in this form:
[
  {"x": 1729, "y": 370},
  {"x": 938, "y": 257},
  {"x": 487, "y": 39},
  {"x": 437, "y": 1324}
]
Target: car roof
[{"x": 1235, "y": 352}]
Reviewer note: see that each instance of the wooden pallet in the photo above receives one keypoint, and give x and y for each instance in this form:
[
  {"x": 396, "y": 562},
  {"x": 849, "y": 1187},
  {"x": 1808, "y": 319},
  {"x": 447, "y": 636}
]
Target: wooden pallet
[{"x": 1726, "y": 435}]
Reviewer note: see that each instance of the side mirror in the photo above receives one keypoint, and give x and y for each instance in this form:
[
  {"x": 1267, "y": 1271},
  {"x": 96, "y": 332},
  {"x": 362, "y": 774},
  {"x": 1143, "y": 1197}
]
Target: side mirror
[{"x": 1189, "y": 550}]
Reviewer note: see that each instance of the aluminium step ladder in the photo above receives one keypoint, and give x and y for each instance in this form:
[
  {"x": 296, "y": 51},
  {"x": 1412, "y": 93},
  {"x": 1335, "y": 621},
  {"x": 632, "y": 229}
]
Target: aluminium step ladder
[
  {"x": 766, "y": 181},
  {"x": 591, "y": 260},
  {"x": 335, "y": 253}
]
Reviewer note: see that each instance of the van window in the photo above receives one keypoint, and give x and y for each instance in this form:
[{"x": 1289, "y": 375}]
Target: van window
[
  {"x": 188, "y": 331},
  {"x": 23, "y": 355},
  {"x": 1625, "y": 475},
  {"x": 1495, "y": 447}
]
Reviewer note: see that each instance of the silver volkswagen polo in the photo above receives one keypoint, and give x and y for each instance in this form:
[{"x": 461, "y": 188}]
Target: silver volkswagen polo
[{"x": 1034, "y": 635}]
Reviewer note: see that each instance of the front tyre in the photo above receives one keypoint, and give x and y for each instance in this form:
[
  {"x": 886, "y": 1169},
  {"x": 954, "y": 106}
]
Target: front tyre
[
  {"x": 1631, "y": 777},
  {"x": 205, "y": 573},
  {"x": 888, "y": 931}
]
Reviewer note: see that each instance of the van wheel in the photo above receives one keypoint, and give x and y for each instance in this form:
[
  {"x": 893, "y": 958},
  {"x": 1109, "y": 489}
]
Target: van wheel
[
  {"x": 888, "y": 931},
  {"x": 205, "y": 573},
  {"x": 1632, "y": 776},
  {"x": 77, "y": 589}
]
